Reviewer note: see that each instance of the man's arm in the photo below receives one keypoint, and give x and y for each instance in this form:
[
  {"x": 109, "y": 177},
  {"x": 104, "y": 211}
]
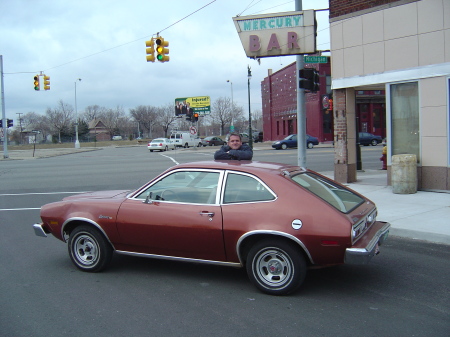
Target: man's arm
[
  {"x": 222, "y": 153},
  {"x": 245, "y": 152}
]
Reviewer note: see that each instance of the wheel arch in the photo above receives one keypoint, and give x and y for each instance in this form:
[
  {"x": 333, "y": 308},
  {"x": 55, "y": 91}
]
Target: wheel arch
[
  {"x": 247, "y": 240},
  {"x": 72, "y": 223}
]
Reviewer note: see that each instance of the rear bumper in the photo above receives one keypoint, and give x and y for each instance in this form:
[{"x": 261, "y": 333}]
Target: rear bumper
[
  {"x": 368, "y": 245},
  {"x": 39, "y": 230}
]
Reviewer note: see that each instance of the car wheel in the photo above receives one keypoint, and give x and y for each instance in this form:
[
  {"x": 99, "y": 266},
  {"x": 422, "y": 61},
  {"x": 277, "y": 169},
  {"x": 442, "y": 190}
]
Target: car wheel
[
  {"x": 374, "y": 142},
  {"x": 276, "y": 267},
  {"x": 284, "y": 146},
  {"x": 310, "y": 145},
  {"x": 88, "y": 249},
  {"x": 186, "y": 145}
]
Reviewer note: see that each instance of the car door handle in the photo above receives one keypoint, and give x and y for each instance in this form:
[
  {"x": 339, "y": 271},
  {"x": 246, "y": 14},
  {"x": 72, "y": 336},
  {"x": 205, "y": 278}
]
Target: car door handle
[{"x": 210, "y": 214}]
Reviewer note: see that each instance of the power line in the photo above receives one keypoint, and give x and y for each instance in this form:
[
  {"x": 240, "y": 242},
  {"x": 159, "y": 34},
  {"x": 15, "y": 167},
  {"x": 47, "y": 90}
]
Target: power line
[{"x": 118, "y": 46}]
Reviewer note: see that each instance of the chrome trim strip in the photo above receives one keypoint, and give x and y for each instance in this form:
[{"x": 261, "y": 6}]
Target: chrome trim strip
[
  {"x": 96, "y": 225},
  {"x": 39, "y": 230},
  {"x": 286, "y": 235},
  {"x": 176, "y": 258}
]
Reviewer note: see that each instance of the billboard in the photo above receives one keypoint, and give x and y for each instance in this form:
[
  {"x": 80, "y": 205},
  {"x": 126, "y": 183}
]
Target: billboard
[
  {"x": 190, "y": 105},
  {"x": 288, "y": 33}
]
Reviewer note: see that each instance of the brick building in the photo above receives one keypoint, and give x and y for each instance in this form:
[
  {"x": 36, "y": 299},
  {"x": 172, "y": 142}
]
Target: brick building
[{"x": 279, "y": 104}]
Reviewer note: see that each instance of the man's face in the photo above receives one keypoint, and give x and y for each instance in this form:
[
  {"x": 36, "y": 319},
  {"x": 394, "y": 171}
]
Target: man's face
[{"x": 234, "y": 142}]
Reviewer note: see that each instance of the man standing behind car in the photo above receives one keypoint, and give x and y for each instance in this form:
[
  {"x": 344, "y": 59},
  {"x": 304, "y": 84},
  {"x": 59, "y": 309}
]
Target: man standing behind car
[{"x": 234, "y": 149}]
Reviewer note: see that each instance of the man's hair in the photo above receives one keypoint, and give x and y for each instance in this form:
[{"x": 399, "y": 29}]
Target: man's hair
[{"x": 235, "y": 134}]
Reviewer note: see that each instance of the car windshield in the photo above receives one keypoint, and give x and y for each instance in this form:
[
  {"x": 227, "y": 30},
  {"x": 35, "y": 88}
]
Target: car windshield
[{"x": 337, "y": 196}]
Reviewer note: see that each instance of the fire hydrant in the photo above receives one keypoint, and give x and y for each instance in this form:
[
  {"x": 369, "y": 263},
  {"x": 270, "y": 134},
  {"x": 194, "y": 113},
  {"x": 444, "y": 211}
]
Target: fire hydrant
[{"x": 384, "y": 158}]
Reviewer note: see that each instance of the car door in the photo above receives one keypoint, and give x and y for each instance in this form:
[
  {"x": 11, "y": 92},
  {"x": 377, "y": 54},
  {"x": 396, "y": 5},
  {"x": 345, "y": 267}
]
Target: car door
[{"x": 178, "y": 215}]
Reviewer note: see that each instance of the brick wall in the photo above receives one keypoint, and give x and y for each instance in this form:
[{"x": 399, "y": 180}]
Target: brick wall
[{"x": 345, "y": 7}]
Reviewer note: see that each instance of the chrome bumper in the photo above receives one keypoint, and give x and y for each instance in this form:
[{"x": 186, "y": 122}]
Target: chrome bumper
[
  {"x": 368, "y": 246},
  {"x": 39, "y": 230}
]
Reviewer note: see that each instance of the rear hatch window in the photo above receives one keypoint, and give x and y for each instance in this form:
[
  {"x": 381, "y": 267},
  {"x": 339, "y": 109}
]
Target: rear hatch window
[{"x": 337, "y": 196}]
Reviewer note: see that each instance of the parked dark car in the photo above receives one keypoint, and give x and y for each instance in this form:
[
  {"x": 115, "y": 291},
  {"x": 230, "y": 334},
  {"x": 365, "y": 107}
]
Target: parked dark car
[
  {"x": 367, "y": 139},
  {"x": 213, "y": 141},
  {"x": 291, "y": 141},
  {"x": 275, "y": 220}
]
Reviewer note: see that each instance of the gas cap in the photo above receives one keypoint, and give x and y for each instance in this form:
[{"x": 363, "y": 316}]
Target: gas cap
[{"x": 297, "y": 224}]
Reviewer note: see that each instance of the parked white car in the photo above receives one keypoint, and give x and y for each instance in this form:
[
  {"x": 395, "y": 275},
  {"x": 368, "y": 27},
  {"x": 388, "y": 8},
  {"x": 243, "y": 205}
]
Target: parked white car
[{"x": 161, "y": 144}]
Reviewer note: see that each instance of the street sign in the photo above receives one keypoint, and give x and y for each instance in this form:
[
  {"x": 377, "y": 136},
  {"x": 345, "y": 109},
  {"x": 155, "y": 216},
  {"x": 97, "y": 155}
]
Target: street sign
[{"x": 316, "y": 59}]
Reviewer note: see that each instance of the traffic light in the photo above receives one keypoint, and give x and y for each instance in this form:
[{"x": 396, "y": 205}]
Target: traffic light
[
  {"x": 195, "y": 117},
  {"x": 36, "y": 83},
  {"x": 161, "y": 50},
  {"x": 309, "y": 79},
  {"x": 46, "y": 82},
  {"x": 150, "y": 50},
  {"x": 9, "y": 123}
]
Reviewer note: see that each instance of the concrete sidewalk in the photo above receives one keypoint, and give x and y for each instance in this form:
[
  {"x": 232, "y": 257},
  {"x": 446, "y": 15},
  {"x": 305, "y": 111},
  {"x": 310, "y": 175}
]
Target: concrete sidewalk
[{"x": 422, "y": 215}]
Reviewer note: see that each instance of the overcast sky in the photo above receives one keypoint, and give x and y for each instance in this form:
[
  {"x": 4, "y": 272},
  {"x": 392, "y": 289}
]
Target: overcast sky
[{"x": 103, "y": 43}]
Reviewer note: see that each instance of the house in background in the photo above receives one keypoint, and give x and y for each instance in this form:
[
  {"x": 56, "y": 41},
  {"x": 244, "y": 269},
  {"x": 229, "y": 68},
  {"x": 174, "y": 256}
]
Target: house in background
[{"x": 98, "y": 131}]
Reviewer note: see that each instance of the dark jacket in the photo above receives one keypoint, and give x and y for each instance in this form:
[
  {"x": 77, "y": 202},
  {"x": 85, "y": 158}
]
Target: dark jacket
[{"x": 225, "y": 153}]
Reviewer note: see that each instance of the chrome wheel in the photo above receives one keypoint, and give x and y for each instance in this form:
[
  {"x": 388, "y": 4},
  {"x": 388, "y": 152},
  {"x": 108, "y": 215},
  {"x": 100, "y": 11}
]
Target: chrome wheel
[
  {"x": 276, "y": 267},
  {"x": 88, "y": 249}
]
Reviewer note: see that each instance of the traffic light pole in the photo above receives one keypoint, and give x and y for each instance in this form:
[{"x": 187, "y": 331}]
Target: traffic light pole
[
  {"x": 301, "y": 107},
  {"x": 5, "y": 123}
]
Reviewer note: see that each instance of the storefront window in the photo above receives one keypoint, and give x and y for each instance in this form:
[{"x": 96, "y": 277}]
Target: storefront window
[{"x": 405, "y": 118}]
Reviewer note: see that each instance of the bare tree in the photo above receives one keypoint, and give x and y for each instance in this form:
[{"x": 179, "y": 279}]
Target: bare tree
[
  {"x": 146, "y": 116},
  {"x": 166, "y": 117},
  {"x": 113, "y": 119},
  {"x": 94, "y": 112},
  {"x": 60, "y": 118}
]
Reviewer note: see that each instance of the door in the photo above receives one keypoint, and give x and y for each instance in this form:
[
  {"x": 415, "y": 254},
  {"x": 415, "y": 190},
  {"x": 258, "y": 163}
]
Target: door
[{"x": 176, "y": 216}]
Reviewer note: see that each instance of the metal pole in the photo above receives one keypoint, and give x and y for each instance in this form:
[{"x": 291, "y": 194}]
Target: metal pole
[
  {"x": 232, "y": 108},
  {"x": 301, "y": 107},
  {"x": 250, "y": 136},
  {"x": 5, "y": 123},
  {"x": 77, "y": 143}
]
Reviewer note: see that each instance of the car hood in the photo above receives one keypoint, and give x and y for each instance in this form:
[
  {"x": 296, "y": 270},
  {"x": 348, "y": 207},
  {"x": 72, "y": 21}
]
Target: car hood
[{"x": 98, "y": 195}]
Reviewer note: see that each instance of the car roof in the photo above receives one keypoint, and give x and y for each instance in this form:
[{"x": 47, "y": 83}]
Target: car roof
[{"x": 254, "y": 167}]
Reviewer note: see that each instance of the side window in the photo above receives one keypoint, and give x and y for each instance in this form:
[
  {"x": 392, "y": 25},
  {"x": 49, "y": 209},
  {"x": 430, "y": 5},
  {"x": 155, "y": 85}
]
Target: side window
[
  {"x": 195, "y": 187},
  {"x": 242, "y": 188}
]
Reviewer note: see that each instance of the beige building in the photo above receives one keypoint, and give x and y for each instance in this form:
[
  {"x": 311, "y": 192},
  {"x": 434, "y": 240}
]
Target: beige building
[{"x": 402, "y": 47}]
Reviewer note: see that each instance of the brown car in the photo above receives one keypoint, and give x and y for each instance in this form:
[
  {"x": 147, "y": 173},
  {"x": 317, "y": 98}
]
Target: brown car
[{"x": 273, "y": 219}]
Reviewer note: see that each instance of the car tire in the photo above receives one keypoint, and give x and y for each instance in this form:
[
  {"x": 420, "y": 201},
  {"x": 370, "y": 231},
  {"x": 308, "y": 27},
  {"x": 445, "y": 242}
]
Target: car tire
[
  {"x": 276, "y": 267},
  {"x": 88, "y": 249},
  {"x": 186, "y": 145},
  {"x": 310, "y": 145},
  {"x": 284, "y": 146},
  {"x": 374, "y": 142}
]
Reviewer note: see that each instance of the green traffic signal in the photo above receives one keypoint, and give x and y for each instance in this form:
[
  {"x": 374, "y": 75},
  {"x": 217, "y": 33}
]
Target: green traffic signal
[{"x": 36, "y": 83}]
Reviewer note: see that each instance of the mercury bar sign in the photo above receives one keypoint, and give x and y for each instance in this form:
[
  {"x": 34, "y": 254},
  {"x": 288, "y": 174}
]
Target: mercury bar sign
[{"x": 288, "y": 33}]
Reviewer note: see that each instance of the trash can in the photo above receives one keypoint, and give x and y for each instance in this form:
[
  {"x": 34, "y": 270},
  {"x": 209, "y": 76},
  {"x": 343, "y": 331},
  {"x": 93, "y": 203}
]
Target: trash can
[{"x": 404, "y": 173}]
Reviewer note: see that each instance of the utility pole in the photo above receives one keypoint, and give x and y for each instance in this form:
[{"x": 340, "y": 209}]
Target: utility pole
[
  {"x": 301, "y": 107},
  {"x": 5, "y": 123}
]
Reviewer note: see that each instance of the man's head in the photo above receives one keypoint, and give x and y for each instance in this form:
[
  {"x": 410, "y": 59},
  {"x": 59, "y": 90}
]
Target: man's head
[{"x": 234, "y": 141}]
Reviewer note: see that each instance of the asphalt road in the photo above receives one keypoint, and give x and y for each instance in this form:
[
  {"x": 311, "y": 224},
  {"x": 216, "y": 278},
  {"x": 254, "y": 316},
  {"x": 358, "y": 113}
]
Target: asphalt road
[{"x": 403, "y": 292}]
